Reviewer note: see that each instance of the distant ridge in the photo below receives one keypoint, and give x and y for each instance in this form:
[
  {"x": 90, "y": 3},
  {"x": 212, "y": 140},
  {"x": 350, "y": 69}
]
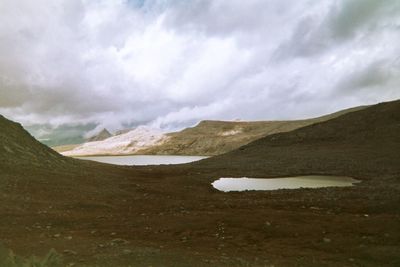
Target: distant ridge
[
  {"x": 217, "y": 137},
  {"x": 208, "y": 138},
  {"x": 365, "y": 141}
]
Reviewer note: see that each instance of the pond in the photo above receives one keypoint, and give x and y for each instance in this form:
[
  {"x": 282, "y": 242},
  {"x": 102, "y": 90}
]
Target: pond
[
  {"x": 310, "y": 181},
  {"x": 144, "y": 159}
]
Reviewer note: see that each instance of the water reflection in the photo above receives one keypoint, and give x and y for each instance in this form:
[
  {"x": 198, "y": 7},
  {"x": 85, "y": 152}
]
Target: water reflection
[
  {"x": 144, "y": 159},
  {"x": 311, "y": 181}
]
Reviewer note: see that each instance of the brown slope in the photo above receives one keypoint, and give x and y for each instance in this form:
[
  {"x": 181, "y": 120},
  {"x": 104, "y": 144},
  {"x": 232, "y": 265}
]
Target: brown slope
[
  {"x": 365, "y": 142},
  {"x": 217, "y": 137},
  {"x": 18, "y": 148}
]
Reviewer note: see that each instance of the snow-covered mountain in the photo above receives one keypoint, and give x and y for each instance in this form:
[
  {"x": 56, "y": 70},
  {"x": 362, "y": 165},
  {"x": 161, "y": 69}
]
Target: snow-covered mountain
[{"x": 131, "y": 142}]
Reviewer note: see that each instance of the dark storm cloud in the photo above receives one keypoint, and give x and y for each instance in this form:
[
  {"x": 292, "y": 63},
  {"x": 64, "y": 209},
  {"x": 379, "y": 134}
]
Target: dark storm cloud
[{"x": 171, "y": 63}]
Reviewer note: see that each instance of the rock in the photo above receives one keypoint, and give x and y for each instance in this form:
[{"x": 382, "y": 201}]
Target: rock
[
  {"x": 326, "y": 240},
  {"x": 70, "y": 252},
  {"x": 127, "y": 251},
  {"x": 119, "y": 241}
]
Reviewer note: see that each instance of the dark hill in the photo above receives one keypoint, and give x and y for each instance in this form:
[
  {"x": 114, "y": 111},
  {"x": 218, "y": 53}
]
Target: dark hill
[
  {"x": 361, "y": 143},
  {"x": 19, "y": 149}
]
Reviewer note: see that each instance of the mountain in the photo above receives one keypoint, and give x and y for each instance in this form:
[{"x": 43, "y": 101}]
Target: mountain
[
  {"x": 210, "y": 138},
  {"x": 131, "y": 142},
  {"x": 123, "y": 131},
  {"x": 102, "y": 135},
  {"x": 365, "y": 141}
]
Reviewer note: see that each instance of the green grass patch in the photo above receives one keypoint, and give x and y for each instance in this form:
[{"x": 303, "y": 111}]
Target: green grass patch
[{"x": 9, "y": 259}]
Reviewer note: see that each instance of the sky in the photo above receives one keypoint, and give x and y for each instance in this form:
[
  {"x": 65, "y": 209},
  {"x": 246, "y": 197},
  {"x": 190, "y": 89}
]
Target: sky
[{"x": 172, "y": 63}]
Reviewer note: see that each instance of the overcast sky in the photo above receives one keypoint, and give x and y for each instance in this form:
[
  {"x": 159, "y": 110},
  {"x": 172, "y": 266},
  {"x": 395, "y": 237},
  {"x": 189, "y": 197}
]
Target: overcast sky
[{"x": 174, "y": 62}]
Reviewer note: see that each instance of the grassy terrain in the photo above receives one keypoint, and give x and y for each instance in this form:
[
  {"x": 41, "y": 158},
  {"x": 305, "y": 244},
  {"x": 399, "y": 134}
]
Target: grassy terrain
[{"x": 9, "y": 259}]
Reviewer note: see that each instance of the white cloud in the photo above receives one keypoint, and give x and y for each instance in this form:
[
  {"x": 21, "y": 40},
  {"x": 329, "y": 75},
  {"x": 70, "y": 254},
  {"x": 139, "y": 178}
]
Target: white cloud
[{"x": 176, "y": 62}]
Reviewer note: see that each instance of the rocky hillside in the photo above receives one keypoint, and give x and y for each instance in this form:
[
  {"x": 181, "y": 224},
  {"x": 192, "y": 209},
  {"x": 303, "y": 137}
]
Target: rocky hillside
[
  {"x": 217, "y": 137},
  {"x": 19, "y": 148},
  {"x": 362, "y": 142}
]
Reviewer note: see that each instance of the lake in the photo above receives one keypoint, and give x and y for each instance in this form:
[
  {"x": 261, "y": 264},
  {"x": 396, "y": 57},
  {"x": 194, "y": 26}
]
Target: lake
[
  {"x": 143, "y": 159},
  {"x": 311, "y": 181}
]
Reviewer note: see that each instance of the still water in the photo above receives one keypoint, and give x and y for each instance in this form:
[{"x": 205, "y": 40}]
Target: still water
[
  {"x": 312, "y": 181},
  {"x": 144, "y": 160}
]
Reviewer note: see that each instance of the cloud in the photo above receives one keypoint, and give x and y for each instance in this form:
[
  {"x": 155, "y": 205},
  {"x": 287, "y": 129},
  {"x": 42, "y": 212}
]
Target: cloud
[{"x": 172, "y": 62}]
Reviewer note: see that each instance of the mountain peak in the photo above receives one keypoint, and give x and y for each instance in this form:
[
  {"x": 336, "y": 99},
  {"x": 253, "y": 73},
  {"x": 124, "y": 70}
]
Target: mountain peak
[{"x": 102, "y": 135}]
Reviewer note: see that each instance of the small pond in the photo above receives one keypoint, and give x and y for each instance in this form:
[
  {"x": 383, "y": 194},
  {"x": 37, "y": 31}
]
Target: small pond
[{"x": 311, "y": 181}]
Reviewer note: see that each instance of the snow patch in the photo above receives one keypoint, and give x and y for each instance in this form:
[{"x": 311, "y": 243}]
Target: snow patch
[
  {"x": 140, "y": 138},
  {"x": 231, "y": 132}
]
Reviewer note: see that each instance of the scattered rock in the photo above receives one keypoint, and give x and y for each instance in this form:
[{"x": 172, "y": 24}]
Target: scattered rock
[
  {"x": 119, "y": 241},
  {"x": 326, "y": 240},
  {"x": 70, "y": 252},
  {"x": 127, "y": 251}
]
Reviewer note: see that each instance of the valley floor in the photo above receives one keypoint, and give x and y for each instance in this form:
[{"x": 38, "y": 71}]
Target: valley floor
[{"x": 103, "y": 215}]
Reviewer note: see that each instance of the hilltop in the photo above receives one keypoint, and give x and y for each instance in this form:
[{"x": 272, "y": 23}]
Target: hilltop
[{"x": 102, "y": 135}]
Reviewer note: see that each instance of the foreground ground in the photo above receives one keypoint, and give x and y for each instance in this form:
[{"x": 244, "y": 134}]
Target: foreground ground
[
  {"x": 103, "y": 215},
  {"x": 161, "y": 217}
]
